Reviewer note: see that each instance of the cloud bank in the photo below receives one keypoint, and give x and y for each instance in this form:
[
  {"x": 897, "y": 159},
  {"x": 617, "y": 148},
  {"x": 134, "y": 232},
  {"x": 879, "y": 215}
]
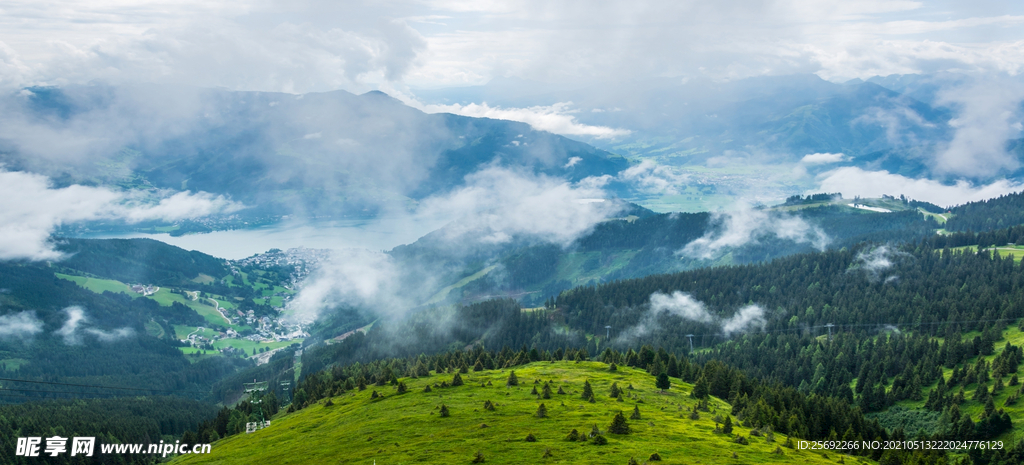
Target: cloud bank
[
  {"x": 22, "y": 325},
  {"x": 747, "y": 225},
  {"x": 495, "y": 206},
  {"x": 30, "y": 209},
  {"x": 853, "y": 181},
  {"x": 683, "y": 305}
]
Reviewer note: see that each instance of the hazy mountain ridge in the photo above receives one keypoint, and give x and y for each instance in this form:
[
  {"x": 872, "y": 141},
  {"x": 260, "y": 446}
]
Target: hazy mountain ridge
[{"x": 332, "y": 153}]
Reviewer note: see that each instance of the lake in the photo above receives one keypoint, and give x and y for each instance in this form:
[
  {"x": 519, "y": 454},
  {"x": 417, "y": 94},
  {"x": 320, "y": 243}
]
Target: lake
[{"x": 371, "y": 234}]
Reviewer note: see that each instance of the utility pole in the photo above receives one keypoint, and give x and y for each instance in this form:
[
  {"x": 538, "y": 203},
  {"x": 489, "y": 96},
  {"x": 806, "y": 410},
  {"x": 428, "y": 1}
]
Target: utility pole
[{"x": 690, "y": 337}]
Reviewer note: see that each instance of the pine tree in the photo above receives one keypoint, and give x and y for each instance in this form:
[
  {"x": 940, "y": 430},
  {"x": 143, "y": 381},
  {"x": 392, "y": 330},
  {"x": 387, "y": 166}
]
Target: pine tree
[
  {"x": 588, "y": 391},
  {"x": 702, "y": 388},
  {"x": 444, "y": 411},
  {"x": 560, "y": 390},
  {"x": 636, "y": 413},
  {"x": 727, "y": 426},
  {"x": 546, "y": 392},
  {"x": 488, "y": 405},
  {"x": 530, "y": 438},
  {"x": 512, "y": 380},
  {"x": 663, "y": 382},
  {"x": 401, "y": 388},
  {"x": 613, "y": 367},
  {"x": 573, "y": 436},
  {"x": 457, "y": 380},
  {"x": 619, "y": 424},
  {"x": 533, "y": 392},
  {"x": 614, "y": 391},
  {"x": 478, "y": 457},
  {"x": 478, "y": 366},
  {"x": 542, "y": 411}
]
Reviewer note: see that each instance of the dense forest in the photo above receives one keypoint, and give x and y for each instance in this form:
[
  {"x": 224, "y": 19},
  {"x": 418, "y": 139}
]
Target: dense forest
[
  {"x": 141, "y": 420},
  {"x": 987, "y": 215}
]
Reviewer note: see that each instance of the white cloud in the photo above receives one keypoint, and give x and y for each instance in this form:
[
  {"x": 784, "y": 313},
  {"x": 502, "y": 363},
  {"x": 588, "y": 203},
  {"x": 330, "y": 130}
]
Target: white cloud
[
  {"x": 73, "y": 327},
  {"x": 352, "y": 277},
  {"x": 853, "y": 181},
  {"x": 20, "y": 325},
  {"x": 682, "y": 305},
  {"x": 874, "y": 262},
  {"x": 497, "y": 204},
  {"x": 989, "y": 111},
  {"x": 69, "y": 331},
  {"x": 557, "y": 118},
  {"x": 748, "y": 225},
  {"x": 572, "y": 161},
  {"x": 745, "y": 318},
  {"x": 30, "y": 209},
  {"x": 653, "y": 178},
  {"x": 822, "y": 158}
]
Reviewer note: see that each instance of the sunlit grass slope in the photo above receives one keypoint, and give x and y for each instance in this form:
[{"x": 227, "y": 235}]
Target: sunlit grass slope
[{"x": 408, "y": 428}]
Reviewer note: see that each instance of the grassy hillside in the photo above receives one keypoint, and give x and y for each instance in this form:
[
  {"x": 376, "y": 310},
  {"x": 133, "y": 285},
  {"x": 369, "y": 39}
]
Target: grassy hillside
[{"x": 408, "y": 428}]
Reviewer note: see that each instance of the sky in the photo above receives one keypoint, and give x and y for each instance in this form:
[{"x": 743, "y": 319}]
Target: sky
[{"x": 304, "y": 46}]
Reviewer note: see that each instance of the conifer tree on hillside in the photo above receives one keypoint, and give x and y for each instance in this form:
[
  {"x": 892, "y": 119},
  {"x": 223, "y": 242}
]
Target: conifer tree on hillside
[
  {"x": 512, "y": 380},
  {"x": 663, "y": 382},
  {"x": 619, "y": 424},
  {"x": 546, "y": 392},
  {"x": 457, "y": 380},
  {"x": 588, "y": 391},
  {"x": 702, "y": 388}
]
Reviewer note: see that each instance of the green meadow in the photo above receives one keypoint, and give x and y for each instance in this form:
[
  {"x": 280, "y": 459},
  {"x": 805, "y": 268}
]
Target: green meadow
[{"x": 409, "y": 428}]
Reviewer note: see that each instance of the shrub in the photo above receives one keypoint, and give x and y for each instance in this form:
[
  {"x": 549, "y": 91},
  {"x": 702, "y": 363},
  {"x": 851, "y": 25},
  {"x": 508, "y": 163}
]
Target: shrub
[
  {"x": 374, "y": 395},
  {"x": 560, "y": 390},
  {"x": 457, "y": 380},
  {"x": 542, "y": 411},
  {"x": 636, "y": 413},
  {"x": 512, "y": 380},
  {"x": 654, "y": 458},
  {"x": 534, "y": 392},
  {"x": 478, "y": 457},
  {"x": 402, "y": 389},
  {"x": 427, "y": 388},
  {"x": 547, "y": 453},
  {"x": 488, "y": 405},
  {"x": 530, "y": 438},
  {"x": 444, "y": 411},
  {"x": 573, "y": 435},
  {"x": 614, "y": 391},
  {"x": 613, "y": 367},
  {"x": 599, "y": 440},
  {"x": 632, "y": 461}
]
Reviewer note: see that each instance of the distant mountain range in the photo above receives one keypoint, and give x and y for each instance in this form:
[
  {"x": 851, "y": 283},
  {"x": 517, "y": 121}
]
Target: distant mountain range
[
  {"x": 888, "y": 123},
  {"x": 326, "y": 154}
]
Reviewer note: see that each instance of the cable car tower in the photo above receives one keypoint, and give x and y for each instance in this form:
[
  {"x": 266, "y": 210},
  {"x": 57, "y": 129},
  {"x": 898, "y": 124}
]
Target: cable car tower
[{"x": 254, "y": 391}]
